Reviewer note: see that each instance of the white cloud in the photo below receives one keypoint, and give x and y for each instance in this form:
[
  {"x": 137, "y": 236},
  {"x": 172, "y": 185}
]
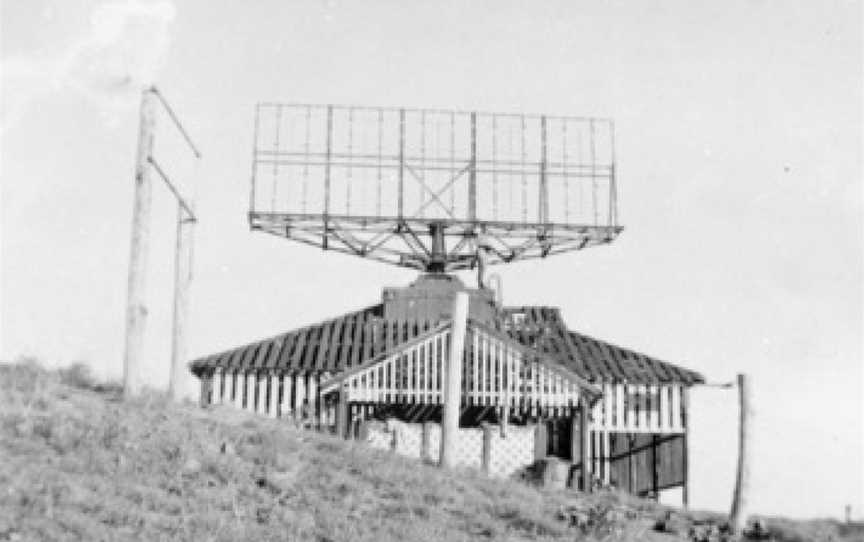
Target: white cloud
[{"x": 121, "y": 51}]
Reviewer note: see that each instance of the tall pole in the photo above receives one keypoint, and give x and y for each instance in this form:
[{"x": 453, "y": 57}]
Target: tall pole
[
  {"x": 136, "y": 308},
  {"x": 453, "y": 381},
  {"x": 178, "y": 383},
  {"x": 739, "y": 512}
]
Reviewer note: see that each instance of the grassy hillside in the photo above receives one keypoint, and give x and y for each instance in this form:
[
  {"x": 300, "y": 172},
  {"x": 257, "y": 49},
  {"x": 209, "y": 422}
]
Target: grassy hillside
[{"x": 79, "y": 463}]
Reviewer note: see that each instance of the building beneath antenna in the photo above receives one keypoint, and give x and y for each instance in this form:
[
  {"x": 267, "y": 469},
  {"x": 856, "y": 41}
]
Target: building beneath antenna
[{"x": 440, "y": 191}]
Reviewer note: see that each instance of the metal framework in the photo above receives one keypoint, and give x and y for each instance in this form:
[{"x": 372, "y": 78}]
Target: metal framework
[{"x": 431, "y": 189}]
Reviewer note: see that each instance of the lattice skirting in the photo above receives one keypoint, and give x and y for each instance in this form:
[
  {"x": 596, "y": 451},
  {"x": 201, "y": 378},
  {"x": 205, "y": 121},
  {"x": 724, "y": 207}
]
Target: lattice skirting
[
  {"x": 512, "y": 452},
  {"x": 498, "y": 456}
]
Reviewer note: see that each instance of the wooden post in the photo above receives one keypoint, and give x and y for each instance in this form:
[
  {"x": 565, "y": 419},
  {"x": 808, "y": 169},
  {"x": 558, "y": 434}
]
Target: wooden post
[
  {"x": 261, "y": 404},
  {"x": 342, "y": 414},
  {"x": 239, "y": 388},
  {"x": 738, "y": 515},
  {"x": 685, "y": 490},
  {"x": 486, "y": 459},
  {"x": 426, "y": 438},
  {"x": 607, "y": 458},
  {"x": 631, "y": 480},
  {"x": 575, "y": 449},
  {"x": 287, "y": 405},
  {"x": 453, "y": 381},
  {"x": 541, "y": 440},
  {"x": 363, "y": 431},
  {"x": 218, "y": 379},
  {"x": 300, "y": 398},
  {"x": 273, "y": 408},
  {"x": 178, "y": 384},
  {"x": 205, "y": 397},
  {"x": 312, "y": 394},
  {"x": 575, "y": 443},
  {"x": 136, "y": 306},
  {"x": 655, "y": 479},
  {"x": 585, "y": 439},
  {"x": 251, "y": 385}
]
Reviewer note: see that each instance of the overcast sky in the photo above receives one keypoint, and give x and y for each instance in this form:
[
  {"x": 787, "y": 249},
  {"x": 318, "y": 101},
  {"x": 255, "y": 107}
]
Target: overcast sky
[{"x": 739, "y": 158}]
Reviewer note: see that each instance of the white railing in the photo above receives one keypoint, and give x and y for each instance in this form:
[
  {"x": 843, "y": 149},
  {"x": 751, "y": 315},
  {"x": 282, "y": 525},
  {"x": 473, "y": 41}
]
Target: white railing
[
  {"x": 634, "y": 408},
  {"x": 413, "y": 374},
  {"x": 498, "y": 372},
  {"x": 501, "y": 372}
]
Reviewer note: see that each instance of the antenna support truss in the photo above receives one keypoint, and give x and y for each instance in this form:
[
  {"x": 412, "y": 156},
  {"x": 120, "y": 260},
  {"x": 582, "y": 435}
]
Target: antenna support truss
[{"x": 431, "y": 189}]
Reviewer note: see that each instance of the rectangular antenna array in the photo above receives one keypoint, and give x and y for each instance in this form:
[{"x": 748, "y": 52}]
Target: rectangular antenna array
[
  {"x": 382, "y": 182},
  {"x": 431, "y": 164}
]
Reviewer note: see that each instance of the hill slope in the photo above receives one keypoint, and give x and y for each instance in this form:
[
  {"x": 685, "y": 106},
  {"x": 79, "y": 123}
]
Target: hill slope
[{"x": 76, "y": 462}]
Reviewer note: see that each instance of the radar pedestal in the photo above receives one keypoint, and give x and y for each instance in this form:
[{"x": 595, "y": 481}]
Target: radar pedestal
[{"x": 430, "y": 299}]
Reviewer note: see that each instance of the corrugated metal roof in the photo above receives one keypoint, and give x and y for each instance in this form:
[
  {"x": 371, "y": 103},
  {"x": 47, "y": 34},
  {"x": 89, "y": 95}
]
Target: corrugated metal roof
[{"x": 346, "y": 341}]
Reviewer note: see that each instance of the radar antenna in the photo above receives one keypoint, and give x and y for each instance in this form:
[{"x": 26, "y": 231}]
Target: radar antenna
[{"x": 419, "y": 188}]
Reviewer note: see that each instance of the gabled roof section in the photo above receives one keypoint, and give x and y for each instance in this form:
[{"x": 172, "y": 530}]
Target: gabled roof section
[
  {"x": 393, "y": 351},
  {"x": 337, "y": 344},
  {"x": 504, "y": 341},
  {"x": 330, "y": 345},
  {"x": 596, "y": 360}
]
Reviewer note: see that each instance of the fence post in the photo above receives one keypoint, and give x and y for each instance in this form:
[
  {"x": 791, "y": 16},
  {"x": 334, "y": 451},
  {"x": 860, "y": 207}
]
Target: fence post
[
  {"x": 342, "y": 414},
  {"x": 273, "y": 407},
  {"x": 541, "y": 440},
  {"x": 738, "y": 515},
  {"x": 585, "y": 441},
  {"x": 218, "y": 379},
  {"x": 426, "y": 438},
  {"x": 685, "y": 439},
  {"x": 575, "y": 442},
  {"x": 206, "y": 398},
  {"x": 239, "y": 388},
  {"x": 487, "y": 447},
  {"x": 453, "y": 380}
]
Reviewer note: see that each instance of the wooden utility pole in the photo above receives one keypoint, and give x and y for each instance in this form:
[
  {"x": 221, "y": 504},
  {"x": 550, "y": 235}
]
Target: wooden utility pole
[
  {"x": 739, "y": 513},
  {"x": 178, "y": 382},
  {"x": 453, "y": 381},
  {"x": 136, "y": 308}
]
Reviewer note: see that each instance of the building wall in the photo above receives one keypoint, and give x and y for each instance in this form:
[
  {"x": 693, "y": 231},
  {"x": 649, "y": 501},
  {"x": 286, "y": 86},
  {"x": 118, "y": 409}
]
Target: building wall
[
  {"x": 627, "y": 460},
  {"x": 645, "y": 463}
]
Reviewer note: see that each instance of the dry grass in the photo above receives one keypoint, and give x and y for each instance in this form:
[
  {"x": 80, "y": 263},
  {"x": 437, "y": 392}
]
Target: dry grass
[{"x": 79, "y": 463}]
